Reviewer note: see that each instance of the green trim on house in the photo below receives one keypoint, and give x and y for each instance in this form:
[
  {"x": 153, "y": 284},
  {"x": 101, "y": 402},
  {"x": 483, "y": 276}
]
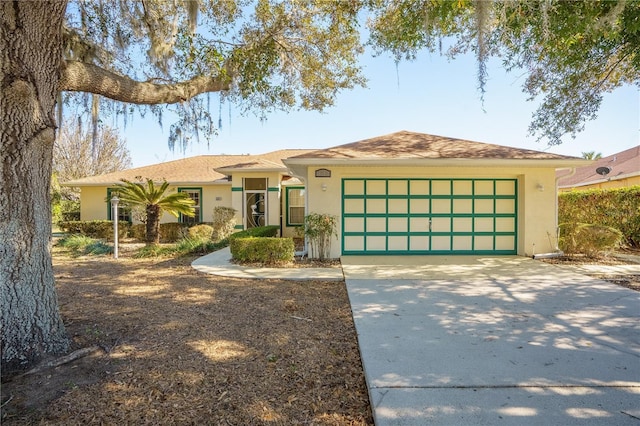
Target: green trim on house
[
  {"x": 121, "y": 209},
  {"x": 236, "y": 189},
  {"x": 460, "y": 205},
  {"x": 238, "y": 227},
  {"x": 288, "y": 188},
  {"x": 273, "y": 189},
  {"x": 187, "y": 219}
]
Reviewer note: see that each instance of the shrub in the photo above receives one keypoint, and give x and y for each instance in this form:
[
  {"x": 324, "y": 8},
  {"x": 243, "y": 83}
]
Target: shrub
[
  {"x": 320, "y": 229},
  {"x": 200, "y": 232},
  {"x": 266, "y": 250},
  {"x": 618, "y": 208},
  {"x": 588, "y": 239},
  {"x": 138, "y": 231},
  {"x": 259, "y": 231},
  {"x": 95, "y": 228},
  {"x": 224, "y": 222},
  {"x": 171, "y": 232},
  {"x": 82, "y": 244}
]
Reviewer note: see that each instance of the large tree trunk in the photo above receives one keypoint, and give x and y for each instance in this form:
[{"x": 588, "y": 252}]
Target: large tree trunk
[{"x": 30, "y": 68}]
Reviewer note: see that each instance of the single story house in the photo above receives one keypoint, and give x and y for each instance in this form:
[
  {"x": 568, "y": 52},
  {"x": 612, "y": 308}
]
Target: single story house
[
  {"x": 402, "y": 193},
  {"x": 619, "y": 170}
]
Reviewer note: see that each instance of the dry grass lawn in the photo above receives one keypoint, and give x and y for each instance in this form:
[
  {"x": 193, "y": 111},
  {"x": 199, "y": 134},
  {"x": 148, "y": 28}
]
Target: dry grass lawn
[{"x": 181, "y": 347}]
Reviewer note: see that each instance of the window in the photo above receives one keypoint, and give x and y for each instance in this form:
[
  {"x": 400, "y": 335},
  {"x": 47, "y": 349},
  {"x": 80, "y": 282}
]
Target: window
[
  {"x": 124, "y": 211},
  {"x": 295, "y": 206},
  {"x": 196, "y": 195}
]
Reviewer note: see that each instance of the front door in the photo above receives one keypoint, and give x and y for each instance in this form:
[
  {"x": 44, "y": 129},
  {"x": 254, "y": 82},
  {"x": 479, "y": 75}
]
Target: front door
[
  {"x": 255, "y": 202},
  {"x": 255, "y": 209}
]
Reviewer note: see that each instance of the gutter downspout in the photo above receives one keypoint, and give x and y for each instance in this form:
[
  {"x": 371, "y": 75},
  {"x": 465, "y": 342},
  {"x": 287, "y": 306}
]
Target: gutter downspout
[{"x": 557, "y": 252}]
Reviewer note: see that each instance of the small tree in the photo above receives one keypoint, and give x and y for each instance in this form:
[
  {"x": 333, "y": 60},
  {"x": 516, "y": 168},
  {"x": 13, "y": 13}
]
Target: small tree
[
  {"x": 319, "y": 229},
  {"x": 155, "y": 201},
  {"x": 224, "y": 222}
]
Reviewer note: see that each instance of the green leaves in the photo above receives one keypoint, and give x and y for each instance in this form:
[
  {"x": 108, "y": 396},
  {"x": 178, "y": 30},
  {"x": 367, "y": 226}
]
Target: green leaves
[
  {"x": 572, "y": 51},
  {"x": 149, "y": 194}
]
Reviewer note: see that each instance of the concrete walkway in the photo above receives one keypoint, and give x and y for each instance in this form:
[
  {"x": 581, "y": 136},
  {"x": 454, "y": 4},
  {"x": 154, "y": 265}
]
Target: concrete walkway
[
  {"x": 464, "y": 340},
  {"x": 219, "y": 263}
]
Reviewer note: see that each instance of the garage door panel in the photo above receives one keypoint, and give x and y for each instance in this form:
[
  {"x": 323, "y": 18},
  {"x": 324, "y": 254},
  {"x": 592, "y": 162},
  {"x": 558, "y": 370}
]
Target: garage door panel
[
  {"x": 376, "y": 205},
  {"x": 440, "y": 243},
  {"x": 441, "y": 187},
  {"x": 376, "y": 224},
  {"x": 429, "y": 216},
  {"x": 419, "y": 206},
  {"x": 505, "y": 187},
  {"x": 462, "y": 224},
  {"x": 354, "y": 205},
  {"x": 462, "y": 243},
  {"x": 376, "y": 243},
  {"x": 441, "y": 205},
  {"x": 353, "y": 187},
  {"x": 398, "y": 224},
  {"x": 376, "y": 187},
  {"x": 506, "y": 206},
  {"x": 398, "y": 187},
  {"x": 419, "y": 187},
  {"x": 398, "y": 243},
  {"x": 419, "y": 243},
  {"x": 398, "y": 206},
  {"x": 354, "y": 243}
]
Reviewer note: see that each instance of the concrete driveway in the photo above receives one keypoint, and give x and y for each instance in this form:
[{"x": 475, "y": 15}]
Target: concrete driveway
[{"x": 464, "y": 340}]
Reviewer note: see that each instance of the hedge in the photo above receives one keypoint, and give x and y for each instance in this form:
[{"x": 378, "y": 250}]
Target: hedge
[
  {"x": 618, "y": 208},
  {"x": 95, "y": 228},
  {"x": 266, "y": 250},
  {"x": 169, "y": 232},
  {"x": 259, "y": 231}
]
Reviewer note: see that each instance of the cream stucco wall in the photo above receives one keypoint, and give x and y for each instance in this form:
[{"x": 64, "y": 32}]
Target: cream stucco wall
[
  {"x": 94, "y": 207},
  {"x": 536, "y": 209}
]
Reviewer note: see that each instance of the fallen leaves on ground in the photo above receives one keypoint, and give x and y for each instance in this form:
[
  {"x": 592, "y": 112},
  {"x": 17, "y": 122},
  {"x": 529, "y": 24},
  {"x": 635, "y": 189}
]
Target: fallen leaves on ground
[{"x": 181, "y": 347}]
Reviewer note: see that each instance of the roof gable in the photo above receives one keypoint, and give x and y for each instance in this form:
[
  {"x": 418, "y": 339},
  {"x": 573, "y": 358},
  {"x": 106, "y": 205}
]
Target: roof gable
[{"x": 412, "y": 145}]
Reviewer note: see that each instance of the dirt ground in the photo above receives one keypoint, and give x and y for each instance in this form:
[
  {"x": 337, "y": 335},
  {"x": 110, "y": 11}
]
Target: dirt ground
[
  {"x": 175, "y": 346},
  {"x": 180, "y": 347}
]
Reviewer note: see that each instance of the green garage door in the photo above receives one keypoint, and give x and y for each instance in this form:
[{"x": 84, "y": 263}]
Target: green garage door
[{"x": 429, "y": 216}]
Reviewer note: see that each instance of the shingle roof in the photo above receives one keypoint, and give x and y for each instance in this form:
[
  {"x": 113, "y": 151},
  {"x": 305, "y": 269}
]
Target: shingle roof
[
  {"x": 411, "y": 145},
  {"x": 193, "y": 170},
  {"x": 622, "y": 164}
]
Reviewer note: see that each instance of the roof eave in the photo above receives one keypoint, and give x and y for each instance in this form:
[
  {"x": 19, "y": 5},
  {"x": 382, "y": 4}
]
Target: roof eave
[
  {"x": 598, "y": 181},
  {"x": 439, "y": 162},
  {"x": 177, "y": 183}
]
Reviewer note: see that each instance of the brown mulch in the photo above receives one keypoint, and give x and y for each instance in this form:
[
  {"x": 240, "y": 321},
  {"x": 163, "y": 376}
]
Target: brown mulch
[{"x": 181, "y": 347}]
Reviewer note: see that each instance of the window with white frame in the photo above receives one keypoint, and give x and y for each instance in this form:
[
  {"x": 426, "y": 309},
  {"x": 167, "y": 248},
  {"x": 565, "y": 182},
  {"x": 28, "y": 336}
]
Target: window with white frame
[
  {"x": 295, "y": 206},
  {"x": 196, "y": 195}
]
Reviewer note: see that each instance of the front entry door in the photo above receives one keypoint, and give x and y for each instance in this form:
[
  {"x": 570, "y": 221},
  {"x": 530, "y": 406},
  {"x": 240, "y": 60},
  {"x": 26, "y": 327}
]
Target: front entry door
[{"x": 255, "y": 209}]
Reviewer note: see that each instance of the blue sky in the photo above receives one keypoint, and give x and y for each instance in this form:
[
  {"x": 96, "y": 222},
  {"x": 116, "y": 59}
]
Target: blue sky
[{"x": 431, "y": 95}]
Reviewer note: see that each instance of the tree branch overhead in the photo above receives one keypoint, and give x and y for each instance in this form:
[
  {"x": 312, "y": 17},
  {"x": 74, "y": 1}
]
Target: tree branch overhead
[{"x": 83, "y": 77}]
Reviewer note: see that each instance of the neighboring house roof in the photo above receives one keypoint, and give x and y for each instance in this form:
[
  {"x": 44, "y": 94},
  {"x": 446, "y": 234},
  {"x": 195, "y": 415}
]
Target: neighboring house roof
[
  {"x": 622, "y": 165},
  {"x": 199, "y": 169},
  {"x": 411, "y": 147}
]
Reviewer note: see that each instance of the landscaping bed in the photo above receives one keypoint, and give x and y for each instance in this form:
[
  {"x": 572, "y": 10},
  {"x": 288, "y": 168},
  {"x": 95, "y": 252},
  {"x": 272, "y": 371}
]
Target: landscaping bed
[{"x": 174, "y": 346}]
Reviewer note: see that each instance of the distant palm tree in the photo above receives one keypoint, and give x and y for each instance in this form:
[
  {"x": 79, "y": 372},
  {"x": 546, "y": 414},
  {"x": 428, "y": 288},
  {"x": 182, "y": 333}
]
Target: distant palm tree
[
  {"x": 154, "y": 200},
  {"x": 591, "y": 155}
]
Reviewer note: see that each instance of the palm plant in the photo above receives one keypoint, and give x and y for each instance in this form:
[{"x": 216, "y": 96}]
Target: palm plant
[{"x": 154, "y": 200}]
